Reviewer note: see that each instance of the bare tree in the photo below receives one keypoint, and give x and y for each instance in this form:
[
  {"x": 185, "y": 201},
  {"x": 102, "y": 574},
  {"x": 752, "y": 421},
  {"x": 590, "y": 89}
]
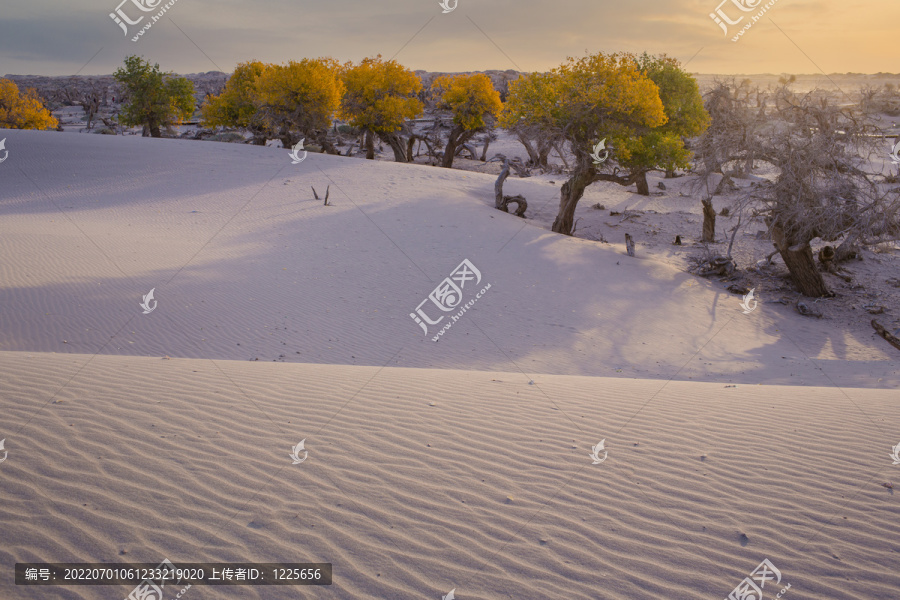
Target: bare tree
[
  {"x": 825, "y": 188},
  {"x": 728, "y": 147}
]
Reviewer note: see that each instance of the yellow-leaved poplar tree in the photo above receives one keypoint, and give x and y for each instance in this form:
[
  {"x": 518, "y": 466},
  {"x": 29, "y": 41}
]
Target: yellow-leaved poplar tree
[
  {"x": 300, "y": 100},
  {"x": 23, "y": 110},
  {"x": 236, "y": 106},
  {"x": 380, "y": 97},
  {"x": 581, "y": 102},
  {"x": 475, "y": 105}
]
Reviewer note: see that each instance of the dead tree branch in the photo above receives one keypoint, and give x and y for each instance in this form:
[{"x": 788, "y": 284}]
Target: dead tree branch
[{"x": 502, "y": 202}]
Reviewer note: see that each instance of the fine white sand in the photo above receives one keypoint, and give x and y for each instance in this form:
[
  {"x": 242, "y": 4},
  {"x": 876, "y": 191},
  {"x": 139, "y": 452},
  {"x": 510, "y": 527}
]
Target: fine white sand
[{"x": 731, "y": 437}]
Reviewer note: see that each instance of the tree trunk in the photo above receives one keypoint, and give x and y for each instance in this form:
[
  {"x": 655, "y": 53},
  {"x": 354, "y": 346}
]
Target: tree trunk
[
  {"x": 532, "y": 154},
  {"x": 562, "y": 156},
  {"x": 502, "y": 202},
  {"x": 498, "y": 185},
  {"x": 571, "y": 192},
  {"x": 450, "y": 150},
  {"x": 629, "y": 245},
  {"x": 798, "y": 258},
  {"x": 468, "y": 149},
  {"x": 487, "y": 142},
  {"x": 709, "y": 222},
  {"x": 154, "y": 130},
  {"x": 327, "y": 146},
  {"x": 544, "y": 148},
  {"x": 725, "y": 181},
  {"x": 370, "y": 145},
  {"x": 396, "y": 144},
  {"x": 409, "y": 148},
  {"x": 643, "y": 188},
  {"x": 430, "y": 148},
  {"x": 892, "y": 340}
]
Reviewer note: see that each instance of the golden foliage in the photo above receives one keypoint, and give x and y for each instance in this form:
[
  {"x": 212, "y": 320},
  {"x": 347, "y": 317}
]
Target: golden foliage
[
  {"x": 23, "y": 110},
  {"x": 380, "y": 95},
  {"x": 235, "y": 106},
  {"x": 600, "y": 95},
  {"x": 471, "y": 98},
  {"x": 302, "y": 95}
]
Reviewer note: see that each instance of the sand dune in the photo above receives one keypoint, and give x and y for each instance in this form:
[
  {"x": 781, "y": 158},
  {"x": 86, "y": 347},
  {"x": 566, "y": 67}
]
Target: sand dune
[
  {"x": 489, "y": 490},
  {"x": 262, "y": 264},
  {"x": 432, "y": 466}
]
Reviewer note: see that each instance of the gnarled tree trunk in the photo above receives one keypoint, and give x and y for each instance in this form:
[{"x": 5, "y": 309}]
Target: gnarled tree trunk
[
  {"x": 502, "y": 202},
  {"x": 287, "y": 139},
  {"x": 450, "y": 150},
  {"x": 532, "y": 153},
  {"x": 396, "y": 144},
  {"x": 798, "y": 258},
  {"x": 544, "y": 149},
  {"x": 487, "y": 142},
  {"x": 458, "y": 137},
  {"x": 327, "y": 146},
  {"x": 571, "y": 192}
]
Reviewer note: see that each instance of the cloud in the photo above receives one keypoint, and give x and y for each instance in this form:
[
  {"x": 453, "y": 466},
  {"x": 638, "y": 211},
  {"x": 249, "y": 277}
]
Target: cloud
[{"x": 44, "y": 37}]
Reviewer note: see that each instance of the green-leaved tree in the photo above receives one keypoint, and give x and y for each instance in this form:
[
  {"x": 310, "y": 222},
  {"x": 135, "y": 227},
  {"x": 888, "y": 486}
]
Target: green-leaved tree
[
  {"x": 152, "y": 98},
  {"x": 663, "y": 147}
]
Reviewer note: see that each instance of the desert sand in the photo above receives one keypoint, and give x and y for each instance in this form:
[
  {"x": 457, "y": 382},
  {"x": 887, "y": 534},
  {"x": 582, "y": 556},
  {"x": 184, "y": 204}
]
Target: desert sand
[{"x": 461, "y": 464}]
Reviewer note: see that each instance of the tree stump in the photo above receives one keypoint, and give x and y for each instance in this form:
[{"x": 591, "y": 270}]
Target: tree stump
[
  {"x": 629, "y": 245},
  {"x": 709, "y": 221}
]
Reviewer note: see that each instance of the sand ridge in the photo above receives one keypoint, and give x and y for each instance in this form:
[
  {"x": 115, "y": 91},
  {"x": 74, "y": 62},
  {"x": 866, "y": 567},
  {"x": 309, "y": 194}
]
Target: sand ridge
[{"x": 419, "y": 478}]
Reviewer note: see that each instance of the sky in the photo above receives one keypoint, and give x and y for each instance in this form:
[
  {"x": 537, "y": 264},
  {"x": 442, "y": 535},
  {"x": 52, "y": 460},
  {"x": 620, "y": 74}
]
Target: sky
[{"x": 48, "y": 37}]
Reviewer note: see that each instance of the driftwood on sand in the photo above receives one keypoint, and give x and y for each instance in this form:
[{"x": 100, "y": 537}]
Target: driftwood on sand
[
  {"x": 890, "y": 338},
  {"x": 502, "y": 202}
]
